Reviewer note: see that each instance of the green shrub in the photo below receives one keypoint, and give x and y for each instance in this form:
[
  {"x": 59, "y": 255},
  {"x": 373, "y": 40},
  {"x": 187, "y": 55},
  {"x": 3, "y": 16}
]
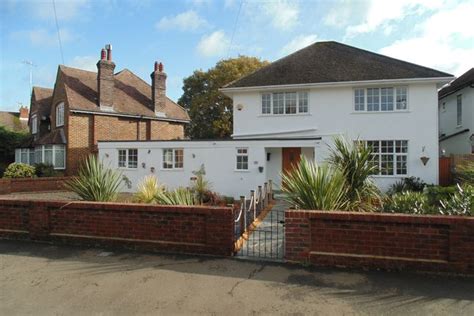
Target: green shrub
[
  {"x": 464, "y": 173},
  {"x": 45, "y": 170},
  {"x": 201, "y": 187},
  {"x": 354, "y": 160},
  {"x": 312, "y": 187},
  {"x": 408, "y": 202},
  {"x": 407, "y": 184},
  {"x": 436, "y": 193},
  {"x": 19, "y": 170},
  {"x": 95, "y": 182},
  {"x": 228, "y": 200},
  {"x": 180, "y": 196},
  {"x": 460, "y": 203}
]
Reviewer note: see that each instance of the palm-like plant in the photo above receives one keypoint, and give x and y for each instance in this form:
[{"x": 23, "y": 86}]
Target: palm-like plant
[
  {"x": 148, "y": 189},
  {"x": 312, "y": 187},
  {"x": 180, "y": 196},
  {"x": 200, "y": 186},
  {"x": 354, "y": 160},
  {"x": 95, "y": 182}
]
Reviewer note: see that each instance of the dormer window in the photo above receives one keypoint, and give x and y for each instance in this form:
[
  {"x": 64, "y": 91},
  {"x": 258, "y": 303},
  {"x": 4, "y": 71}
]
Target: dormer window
[
  {"x": 34, "y": 124},
  {"x": 60, "y": 114}
]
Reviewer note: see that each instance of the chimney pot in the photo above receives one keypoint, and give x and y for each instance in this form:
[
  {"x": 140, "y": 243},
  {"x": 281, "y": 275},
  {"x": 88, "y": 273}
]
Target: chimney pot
[
  {"x": 156, "y": 65},
  {"x": 108, "y": 47},
  {"x": 103, "y": 54},
  {"x": 160, "y": 67},
  {"x": 24, "y": 113}
]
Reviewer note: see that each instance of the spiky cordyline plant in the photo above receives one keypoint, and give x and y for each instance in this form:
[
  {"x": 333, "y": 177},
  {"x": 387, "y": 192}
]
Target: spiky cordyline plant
[
  {"x": 148, "y": 189},
  {"x": 312, "y": 187},
  {"x": 354, "y": 160},
  {"x": 95, "y": 182},
  {"x": 179, "y": 196}
]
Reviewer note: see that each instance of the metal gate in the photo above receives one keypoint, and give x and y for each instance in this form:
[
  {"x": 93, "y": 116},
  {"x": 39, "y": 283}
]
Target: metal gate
[{"x": 259, "y": 226}]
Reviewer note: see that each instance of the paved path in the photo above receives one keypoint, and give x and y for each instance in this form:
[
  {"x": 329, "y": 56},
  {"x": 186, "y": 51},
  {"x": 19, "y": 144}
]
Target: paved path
[
  {"x": 267, "y": 241},
  {"x": 41, "y": 279}
]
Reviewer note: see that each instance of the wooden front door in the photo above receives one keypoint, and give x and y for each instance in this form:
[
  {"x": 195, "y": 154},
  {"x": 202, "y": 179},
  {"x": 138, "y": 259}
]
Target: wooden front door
[{"x": 291, "y": 158}]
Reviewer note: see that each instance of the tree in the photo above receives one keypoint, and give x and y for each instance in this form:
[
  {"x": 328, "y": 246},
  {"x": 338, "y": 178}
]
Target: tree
[
  {"x": 210, "y": 110},
  {"x": 9, "y": 140}
]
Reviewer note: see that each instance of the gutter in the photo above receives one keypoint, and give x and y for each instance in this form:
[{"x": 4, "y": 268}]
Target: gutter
[
  {"x": 132, "y": 116},
  {"x": 336, "y": 84},
  {"x": 454, "y": 134}
]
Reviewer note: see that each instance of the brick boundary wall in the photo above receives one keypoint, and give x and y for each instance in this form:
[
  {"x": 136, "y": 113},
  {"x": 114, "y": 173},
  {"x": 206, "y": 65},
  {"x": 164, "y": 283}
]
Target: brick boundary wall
[
  {"x": 8, "y": 186},
  {"x": 381, "y": 241},
  {"x": 175, "y": 229}
]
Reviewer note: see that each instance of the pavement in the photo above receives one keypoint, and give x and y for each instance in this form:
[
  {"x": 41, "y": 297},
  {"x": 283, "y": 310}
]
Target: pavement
[{"x": 43, "y": 279}]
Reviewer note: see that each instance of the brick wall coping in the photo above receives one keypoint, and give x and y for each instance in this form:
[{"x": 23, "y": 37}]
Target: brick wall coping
[
  {"x": 380, "y": 217},
  {"x": 36, "y": 179},
  {"x": 113, "y": 206}
]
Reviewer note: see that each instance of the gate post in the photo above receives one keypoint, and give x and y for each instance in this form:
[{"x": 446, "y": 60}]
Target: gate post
[
  {"x": 259, "y": 198},
  {"x": 243, "y": 227}
]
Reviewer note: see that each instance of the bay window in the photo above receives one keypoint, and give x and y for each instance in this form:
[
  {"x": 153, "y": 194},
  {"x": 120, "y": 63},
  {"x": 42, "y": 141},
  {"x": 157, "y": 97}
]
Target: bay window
[
  {"x": 54, "y": 155},
  {"x": 285, "y": 103},
  {"x": 384, "y": 99}
]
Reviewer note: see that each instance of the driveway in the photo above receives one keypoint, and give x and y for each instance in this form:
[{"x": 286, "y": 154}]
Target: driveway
[{"x": 42, "y": 279}]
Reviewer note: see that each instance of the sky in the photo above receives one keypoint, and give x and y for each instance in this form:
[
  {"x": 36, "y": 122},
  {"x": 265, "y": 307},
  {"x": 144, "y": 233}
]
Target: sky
[{"x": 188, "y": 35}]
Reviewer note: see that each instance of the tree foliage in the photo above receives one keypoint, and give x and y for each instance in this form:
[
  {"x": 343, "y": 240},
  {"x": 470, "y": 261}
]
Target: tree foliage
[
  {"x": 210, "y": 110},
  {"x": 9, "y": 140}
]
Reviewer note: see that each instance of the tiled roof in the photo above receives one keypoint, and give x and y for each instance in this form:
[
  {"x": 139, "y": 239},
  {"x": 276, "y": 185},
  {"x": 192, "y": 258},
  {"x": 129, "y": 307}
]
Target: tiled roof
[
  {"x": 333, "y": 62},
  {"x": 463, "y": 81},
  {"x": 43, "y": 98},
  {"x": 132, "y": 95},
  {"x": 11, "y": 120}
]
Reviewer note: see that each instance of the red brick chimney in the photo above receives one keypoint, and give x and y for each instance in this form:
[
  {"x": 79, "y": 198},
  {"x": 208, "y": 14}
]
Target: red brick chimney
[
  {"x": 105, "y": 78},
  {"x": 158, "y": 89},
  {"x": 24, "y": 113}
]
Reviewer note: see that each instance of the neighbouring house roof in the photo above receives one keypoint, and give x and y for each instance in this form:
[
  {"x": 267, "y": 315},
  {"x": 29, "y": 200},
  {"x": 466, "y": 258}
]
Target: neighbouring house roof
[
  {"x": 132, "y": 95},
  {"x": 463, "y": 81},
  {"x": 325, "y": 62},
  {"x": 11, "y": 121}
]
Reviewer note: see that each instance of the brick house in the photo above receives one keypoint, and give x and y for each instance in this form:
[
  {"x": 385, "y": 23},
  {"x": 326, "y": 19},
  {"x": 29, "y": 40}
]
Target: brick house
[{"x": 66, "y": 122}]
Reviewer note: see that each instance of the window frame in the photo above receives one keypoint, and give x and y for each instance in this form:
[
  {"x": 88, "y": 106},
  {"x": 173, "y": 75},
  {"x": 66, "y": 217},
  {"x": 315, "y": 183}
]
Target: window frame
[
  {"x": 60, "y": 114},
  {"x": 34, "y": 124},
  {"x": 39, "y": 154},
  {"x": 404, "y": 143},
  {"x": 240, "y": 164},
  {"x": 127, "y": 156},
  {"x": 459, "y": 110},
  {"x": 173, "y": 163},
  {"x": 395, "y": 91},
  {"x": 301, "y": 98}
]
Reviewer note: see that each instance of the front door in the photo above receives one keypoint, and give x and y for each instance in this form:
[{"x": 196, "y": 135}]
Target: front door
[{"x": 291, "y": 158}]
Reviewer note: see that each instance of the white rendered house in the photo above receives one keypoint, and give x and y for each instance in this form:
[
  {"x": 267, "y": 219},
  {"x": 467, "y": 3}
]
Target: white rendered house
[
  {"x": 296, "y": 106},
  {"x": 456, "y": 116}
]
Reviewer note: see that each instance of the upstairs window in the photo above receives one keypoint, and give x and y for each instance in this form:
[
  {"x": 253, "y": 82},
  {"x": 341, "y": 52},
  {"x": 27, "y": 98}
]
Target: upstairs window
[
  {"x": 60, "y": 114},
  {"x": 34, "y": 124},
  {"x": 459, "y": 110},
  {"x": 386, "y": 99},
  {"x": 285, "y": 103},
  {"x": 173, "y": 158},
  {"x": 128, "y": 158},
  {"x": 242, "y": 159}
]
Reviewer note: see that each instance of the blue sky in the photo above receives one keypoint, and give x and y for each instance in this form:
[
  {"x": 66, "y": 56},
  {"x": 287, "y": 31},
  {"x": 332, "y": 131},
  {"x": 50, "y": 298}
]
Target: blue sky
[{"x": 194, "y": 34}]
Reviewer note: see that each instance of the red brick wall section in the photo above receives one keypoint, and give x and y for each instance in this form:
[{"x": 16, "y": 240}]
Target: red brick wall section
[
  {"x": 8, "y": 186},
  {"x": 179, "y": 229},
  {"x": 383, "y": 241}
]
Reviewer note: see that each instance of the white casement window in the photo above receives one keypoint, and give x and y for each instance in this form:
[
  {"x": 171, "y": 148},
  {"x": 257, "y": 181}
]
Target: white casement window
[
  {"x": 459, "y": 110},
  {"x": 173, "y": 158},
  {"x": 285, "y": 103},
  {"x": 34, "y": 124},
  {"x": 54, "y": 155},
  {"x": 25, "y": 155},
  {"x": 128, "y": 158},
  {"x": 389, "y": 156},
  {"x": 384, "y": 99},
  {"x": 60, "y": 114},
  {"x": 242, "y": 159}
]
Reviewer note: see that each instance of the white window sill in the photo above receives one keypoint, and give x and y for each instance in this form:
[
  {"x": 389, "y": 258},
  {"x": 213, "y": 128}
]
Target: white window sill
[
  {"x": 390, "y": 176},
  {"x": 458, "y": 126},
  {"x": 380, "y": 112},
  {"x": 124, "y": 168},
  {"x": 172, "y": 169},
  {"x": 284, "y": 115},
  {"x": 241, "y": 170}
]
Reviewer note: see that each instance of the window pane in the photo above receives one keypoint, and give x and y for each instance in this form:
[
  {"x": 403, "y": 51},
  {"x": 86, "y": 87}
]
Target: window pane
[
  {"x": 278, "y": 100},
  {"x": 122, "y": 158},
  {"x": 48, "y": 154},
  {"x": 59, "y": 156},
  {"x": 376, "y": 163},
  {"x": 242, "y": 159},
  {"x": 386, "y": 99},
  {"x": 290, "y": 102},
  {"x": 132, "y": 158},
  {"x": 39, "y": 154},
  {"x": 178, "y": 159},
  {"x": 402, "y": 164},
  {"x": 387, "y": 146},
  {"x": 374, "y": 145},
  {"x": 386, "y": 164},
  {"x": 401, "y": 146},
  {"x": 168, "y": 158},
  {"x": 266, "y": 103},
  {"x": 359, "y": 99},
  {"x": 459, "y": 109},
  {"x": 303, "y": 102},
  {"x": 401, "y": 98},
  {"x": 32, "y": 156},
  {"x": 373, "y": 99}
]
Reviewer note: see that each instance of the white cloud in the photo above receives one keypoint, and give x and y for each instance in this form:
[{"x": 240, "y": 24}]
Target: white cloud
[
  {"x": 65, "y": 9},
  {"x": 186, "y": 21},
  {"x": 298, "y": 43},
  {"x": 282, "y": 13},
  {"x": 43, "y": 37},
  {"x": 437, "y": 41},
  {"x": 85, "y": 62},
  {"x": 214, "y": 44}
]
